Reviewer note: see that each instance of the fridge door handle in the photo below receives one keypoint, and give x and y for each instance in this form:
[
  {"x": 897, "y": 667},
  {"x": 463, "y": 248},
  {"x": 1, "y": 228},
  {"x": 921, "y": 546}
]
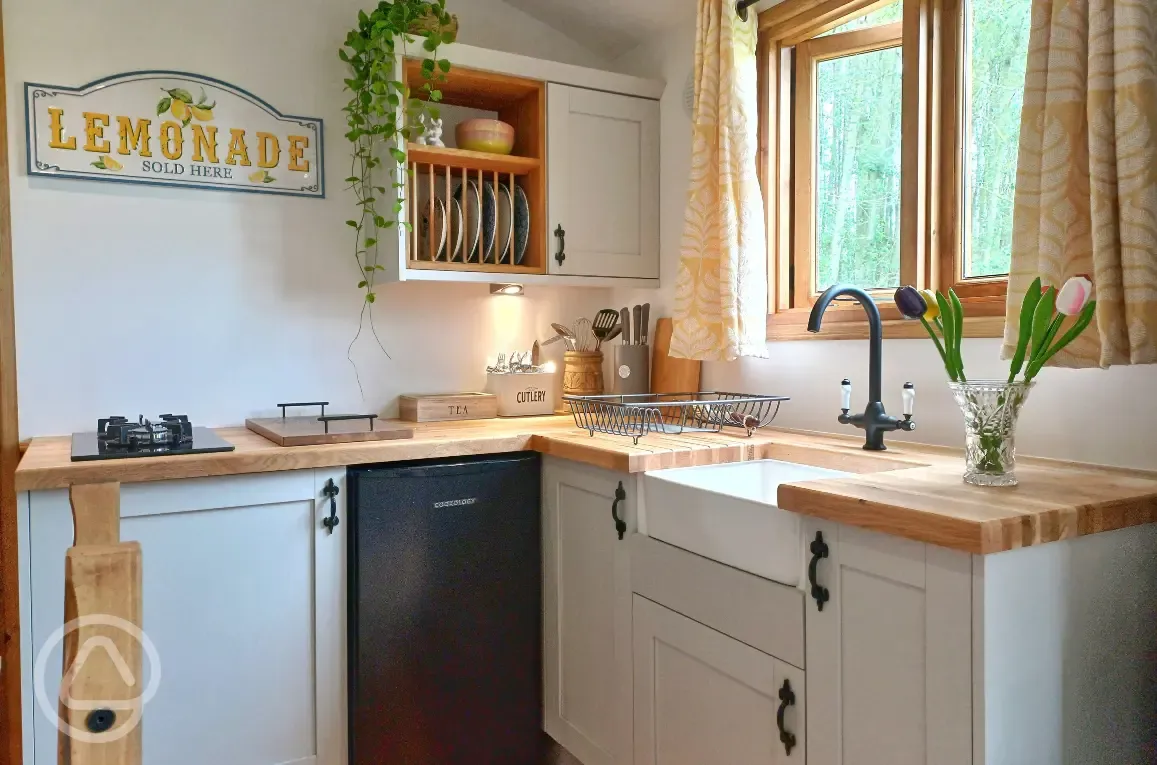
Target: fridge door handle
[
  {"x": 331, "y": 491},
  {"x": 620, "y": 496}
]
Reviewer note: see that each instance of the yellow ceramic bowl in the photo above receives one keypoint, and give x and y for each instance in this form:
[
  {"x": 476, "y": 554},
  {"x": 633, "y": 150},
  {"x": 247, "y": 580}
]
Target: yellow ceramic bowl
[{"x": 493, "y": 136}]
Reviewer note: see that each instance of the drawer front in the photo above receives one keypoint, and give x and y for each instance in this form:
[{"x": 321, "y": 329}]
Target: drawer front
[{"x": 764, "y": 614}]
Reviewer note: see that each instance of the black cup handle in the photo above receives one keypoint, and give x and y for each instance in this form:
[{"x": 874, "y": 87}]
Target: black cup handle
[
  {"x": 786, "y": 699},
  {"x": 819, "y": 551},
  {"x": 620, "y": 496}
]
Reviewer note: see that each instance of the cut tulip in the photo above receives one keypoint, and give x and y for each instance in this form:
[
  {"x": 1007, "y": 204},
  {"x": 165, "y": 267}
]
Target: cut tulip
[{"x": 1074, "y": 296}]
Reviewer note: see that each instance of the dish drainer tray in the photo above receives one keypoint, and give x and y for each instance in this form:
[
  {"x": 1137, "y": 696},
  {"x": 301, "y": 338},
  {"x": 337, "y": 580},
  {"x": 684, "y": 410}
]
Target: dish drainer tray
[{"x": 636, "y": 415}]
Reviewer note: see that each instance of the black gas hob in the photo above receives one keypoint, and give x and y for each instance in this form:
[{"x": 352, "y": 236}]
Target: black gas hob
[{"x": 119, "y": 437}]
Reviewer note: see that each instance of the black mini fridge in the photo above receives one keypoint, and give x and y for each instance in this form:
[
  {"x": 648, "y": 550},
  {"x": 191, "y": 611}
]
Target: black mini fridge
[{"x": 445, "y": 612}]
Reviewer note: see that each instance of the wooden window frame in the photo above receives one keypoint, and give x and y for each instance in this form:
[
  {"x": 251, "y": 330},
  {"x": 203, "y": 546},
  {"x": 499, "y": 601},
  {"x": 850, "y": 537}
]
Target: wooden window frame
[{"x": 932, "y": 167}]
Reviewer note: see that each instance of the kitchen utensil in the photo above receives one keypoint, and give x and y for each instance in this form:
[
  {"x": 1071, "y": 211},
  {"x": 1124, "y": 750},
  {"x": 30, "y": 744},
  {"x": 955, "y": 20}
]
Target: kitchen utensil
[
  {"x": 441, "y": 407},
  {"x": 625, "y": 323},
  {"x": 471, "y": 202},
  {"x": 536, "y": 354},
  {"x": 605, "y": 321},
  {"x": 489, "y": 222},
  {"x": 503, "y": 244},
  {"x": 670, "y": 375},
  {"x": 645, "y": 326},
  {"x": 325, "y": 429},
  {"x": 582, "y": 373},
  {"x": 631, "y": 369},
  {"x": 565, "y": 333},
  {"x": 494, "y": 136},
  {"x": 636, "y": 321},
  {"x": 635, "y": 415},
  {"x": 551, "y": 340},
  {"x": 618, "y": 330},
  {"x": 584, "y": 336},
  {"x": 521, "y": 224}
]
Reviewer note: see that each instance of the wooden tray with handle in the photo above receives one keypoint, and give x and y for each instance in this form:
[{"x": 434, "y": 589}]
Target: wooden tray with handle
[{"x": 326, "y": 428}]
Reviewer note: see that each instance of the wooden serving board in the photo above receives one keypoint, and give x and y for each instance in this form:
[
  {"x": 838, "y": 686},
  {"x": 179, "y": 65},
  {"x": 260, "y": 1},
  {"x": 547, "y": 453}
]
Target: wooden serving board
[
  {"x": 307, "y": 431},
  {"x": 670, "y": 375}
]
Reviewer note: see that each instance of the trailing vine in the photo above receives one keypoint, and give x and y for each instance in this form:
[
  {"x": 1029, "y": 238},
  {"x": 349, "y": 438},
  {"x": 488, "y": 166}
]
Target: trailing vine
[{"x": 383, "y": 114}]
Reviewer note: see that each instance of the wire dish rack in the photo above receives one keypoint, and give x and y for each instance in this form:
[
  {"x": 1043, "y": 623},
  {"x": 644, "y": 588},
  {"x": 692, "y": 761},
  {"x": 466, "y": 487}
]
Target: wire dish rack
[{"x": 636, "y": 415}]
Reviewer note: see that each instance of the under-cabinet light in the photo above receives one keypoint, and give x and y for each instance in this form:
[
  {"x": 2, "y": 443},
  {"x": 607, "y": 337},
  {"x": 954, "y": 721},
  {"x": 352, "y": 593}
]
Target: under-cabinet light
[{"x": 505, "y": 289}]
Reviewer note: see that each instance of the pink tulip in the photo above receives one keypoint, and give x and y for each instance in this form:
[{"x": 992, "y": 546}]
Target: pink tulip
[{"x": 1074, "y": 295}]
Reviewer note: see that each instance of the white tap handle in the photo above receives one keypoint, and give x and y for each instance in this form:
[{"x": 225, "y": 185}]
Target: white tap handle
[
  {"x": 909, "y": 399},
  {"x": 846, "y": 394}
]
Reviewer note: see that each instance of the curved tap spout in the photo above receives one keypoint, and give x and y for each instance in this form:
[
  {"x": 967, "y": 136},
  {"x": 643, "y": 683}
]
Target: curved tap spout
[{"x": 875, "y": 330}]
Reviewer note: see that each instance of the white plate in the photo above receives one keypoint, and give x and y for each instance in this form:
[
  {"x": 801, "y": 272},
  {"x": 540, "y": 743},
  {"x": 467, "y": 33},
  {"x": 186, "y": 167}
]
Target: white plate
[
  {"x": 521, "y": 224},
  {"x": 504, "y": 232},
  {"x": 432, "y": 242},
  {"x": 456, "y": 231},
  {"x": 472, "y": 216}
]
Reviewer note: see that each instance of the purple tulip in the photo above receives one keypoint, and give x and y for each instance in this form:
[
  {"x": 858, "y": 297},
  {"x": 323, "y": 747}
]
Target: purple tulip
[{"x": 911, "y": 303}]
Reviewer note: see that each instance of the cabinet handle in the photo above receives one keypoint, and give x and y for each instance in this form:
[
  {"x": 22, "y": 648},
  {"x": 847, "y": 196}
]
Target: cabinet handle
[
  {"x": 819, "y": 550},
  {"x": 620, "y": 496},
  {"x": 560, "y": 232},
  {"x": 786, "y": 699},
  {"x": 331, "y": 490}
]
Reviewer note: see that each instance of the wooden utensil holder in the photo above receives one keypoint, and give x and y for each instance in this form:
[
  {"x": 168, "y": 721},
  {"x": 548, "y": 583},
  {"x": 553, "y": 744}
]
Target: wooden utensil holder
[{"x": 582, "y": 373}]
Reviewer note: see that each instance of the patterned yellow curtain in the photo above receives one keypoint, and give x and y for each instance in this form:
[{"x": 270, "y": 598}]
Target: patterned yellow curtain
[
  {"x": 721, "y": 291},
  {"x": 1086, "y": 190}
]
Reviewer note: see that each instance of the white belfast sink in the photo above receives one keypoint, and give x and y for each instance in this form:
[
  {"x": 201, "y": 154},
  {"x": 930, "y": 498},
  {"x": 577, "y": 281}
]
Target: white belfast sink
[{"x": 730, "y": 513}]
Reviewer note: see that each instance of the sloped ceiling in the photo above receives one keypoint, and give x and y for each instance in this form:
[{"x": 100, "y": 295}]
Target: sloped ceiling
[{"x": 609, "y": 27}]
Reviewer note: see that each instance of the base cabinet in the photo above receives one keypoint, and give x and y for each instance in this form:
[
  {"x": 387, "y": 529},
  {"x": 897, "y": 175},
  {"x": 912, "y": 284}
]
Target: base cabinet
[
  {"x": 244, "y": 601},
  {"x": 703, "y": 697},
  {"x": 587, "y": 611},
  {"x": 888, "y": 650}
]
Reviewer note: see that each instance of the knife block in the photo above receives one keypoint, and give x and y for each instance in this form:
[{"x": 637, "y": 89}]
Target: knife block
[{"x": 632, "y": 369}]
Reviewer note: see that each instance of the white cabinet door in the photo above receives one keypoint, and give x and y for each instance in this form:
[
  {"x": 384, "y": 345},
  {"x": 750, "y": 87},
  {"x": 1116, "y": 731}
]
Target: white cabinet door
[
  {"x": 603, "y": 170},
  {"x": 889, "y": 663},
  {"x": 703, "y": 698},
  {"x": 587, "y": 611},
  {"x": 244, "y": 599}
]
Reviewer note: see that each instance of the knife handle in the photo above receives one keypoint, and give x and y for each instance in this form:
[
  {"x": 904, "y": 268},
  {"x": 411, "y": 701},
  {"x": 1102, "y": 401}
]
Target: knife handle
[{"x": 625, "y": 320}]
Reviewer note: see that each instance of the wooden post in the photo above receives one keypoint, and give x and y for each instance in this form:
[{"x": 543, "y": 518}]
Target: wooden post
[{"x": 103, "y": 680}]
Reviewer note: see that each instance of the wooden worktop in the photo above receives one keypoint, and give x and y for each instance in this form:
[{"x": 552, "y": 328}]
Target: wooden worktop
[{"x": 914, "y": 491}]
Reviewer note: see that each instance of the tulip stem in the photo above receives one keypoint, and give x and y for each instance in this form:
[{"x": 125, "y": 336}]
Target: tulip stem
[{"x": 939, "y": 345}]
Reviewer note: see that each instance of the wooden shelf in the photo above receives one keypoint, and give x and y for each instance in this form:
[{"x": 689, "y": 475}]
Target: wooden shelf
[
  {"x": 483, "y": 268},
  {"x": 472, "y": 160}
]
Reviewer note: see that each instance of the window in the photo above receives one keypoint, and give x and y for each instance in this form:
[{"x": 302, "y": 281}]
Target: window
[{"x": 888, "y": 153}]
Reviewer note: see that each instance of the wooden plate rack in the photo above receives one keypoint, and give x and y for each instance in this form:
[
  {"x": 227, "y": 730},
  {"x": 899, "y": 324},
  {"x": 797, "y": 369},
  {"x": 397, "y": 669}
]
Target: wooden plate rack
[{"x": 438, "y": 171}]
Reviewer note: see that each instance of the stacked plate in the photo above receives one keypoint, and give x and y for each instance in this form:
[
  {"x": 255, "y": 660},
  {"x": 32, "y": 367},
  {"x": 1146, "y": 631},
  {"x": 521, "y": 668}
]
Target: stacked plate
[{"x": 480, "y": 223}]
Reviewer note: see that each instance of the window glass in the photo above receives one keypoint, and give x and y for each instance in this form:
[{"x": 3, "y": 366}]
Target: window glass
[
  {"x": 886, "y": 15},
  {"x": 857, "y": 174},
  {"x": 996, "y": 46}
]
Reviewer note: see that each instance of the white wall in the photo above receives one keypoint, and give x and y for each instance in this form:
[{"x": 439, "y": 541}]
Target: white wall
[
  {"x": 1107, "y": 417},
  {"x": 263, "y": 286}
]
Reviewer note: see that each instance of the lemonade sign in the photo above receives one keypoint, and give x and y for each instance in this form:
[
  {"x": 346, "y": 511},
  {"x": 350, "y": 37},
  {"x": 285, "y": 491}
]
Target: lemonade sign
[{"x": 172, "y": 129}]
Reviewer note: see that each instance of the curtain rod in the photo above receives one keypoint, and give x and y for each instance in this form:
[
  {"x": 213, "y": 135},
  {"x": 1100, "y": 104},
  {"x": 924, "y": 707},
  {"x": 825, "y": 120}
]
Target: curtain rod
[{"x": 742, "y": 6}]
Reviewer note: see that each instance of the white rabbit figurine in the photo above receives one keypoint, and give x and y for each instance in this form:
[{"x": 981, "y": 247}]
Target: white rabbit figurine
[{"x": 432, "y": 136}]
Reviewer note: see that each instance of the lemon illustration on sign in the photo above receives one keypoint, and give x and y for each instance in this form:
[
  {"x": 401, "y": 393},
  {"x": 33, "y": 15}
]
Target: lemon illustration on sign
[
  {"x": 261, "y": 176},
  {"x": 180, "y": 109},
  {"x": 203, "y": 113},
  {"x": 111, "y": 163}
]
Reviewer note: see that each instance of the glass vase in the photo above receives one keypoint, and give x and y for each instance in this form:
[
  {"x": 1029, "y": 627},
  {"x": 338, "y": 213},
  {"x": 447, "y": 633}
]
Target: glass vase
[{"x": 990, "y": 410}]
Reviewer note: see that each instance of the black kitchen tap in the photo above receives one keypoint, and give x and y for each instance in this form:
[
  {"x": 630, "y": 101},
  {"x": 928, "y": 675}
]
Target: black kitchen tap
[{"x": 875, "y": 421}]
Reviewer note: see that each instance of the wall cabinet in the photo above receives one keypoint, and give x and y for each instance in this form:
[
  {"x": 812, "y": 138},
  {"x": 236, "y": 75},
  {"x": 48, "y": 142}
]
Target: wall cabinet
[
  {"x": 587, "y": 611},
  {"x": 704, "y": 697},
  {"x": 244, "y": 599},
  {"x": 603, "y": 165}
]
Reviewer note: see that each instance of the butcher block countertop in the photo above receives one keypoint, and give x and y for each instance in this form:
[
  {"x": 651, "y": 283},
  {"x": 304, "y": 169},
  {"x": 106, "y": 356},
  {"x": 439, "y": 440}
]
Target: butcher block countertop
[{"x": 912, "y": 490}]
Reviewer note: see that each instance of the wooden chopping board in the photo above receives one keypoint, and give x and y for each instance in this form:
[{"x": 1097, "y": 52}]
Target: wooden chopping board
[
  {"x": 670, "y": 375},
  {"x": 308, "y": 431}
]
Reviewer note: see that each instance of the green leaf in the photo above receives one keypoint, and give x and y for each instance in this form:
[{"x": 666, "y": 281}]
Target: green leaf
[
  {"x": 370, "y": 297},
  {"x": 268, "y": 178},
  {"x": 352, "y": 223},
  {"x": 444, "y": 65},
  {"x": 431, "y": 44},
  {"x": 428, "y": 66},
  {"x": 939, "y": 346},
  {"x": 181, "y": 95},
  {"x": 163, "y": 105},
  {"x": 1041, "y": 318},
  {"x": 363, "y": 283},
  {"x": 185, "y": 122},
  {"x": 370, "y": 242},
  {"x": 352, "y": 179},
  {"x": 949, "y": 326},
  {"x": 379, "y": 268},
  {"x": 1084, "y": 318},
  {"x": 398, "y": 155},
  {"x": 99, "y": 164},
  {"x": 367, "y": 269},
  {"x": 1027, "y": 307},
  {"x": 958, "y": 332}
]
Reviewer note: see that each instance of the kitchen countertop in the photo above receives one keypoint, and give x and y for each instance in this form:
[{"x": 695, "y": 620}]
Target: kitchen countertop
[{"x": 912, "y": 490}]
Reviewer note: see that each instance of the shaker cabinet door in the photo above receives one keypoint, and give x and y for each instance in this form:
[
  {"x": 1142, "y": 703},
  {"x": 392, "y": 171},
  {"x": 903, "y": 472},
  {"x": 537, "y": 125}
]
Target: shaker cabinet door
[
  {"x": 888, "y": 650},
  {"x": 702, "y": 697},
  {"x": 603, "y": 169},
  {"x": 587, "y": 611},
  {"x": 244, "y": 601}
]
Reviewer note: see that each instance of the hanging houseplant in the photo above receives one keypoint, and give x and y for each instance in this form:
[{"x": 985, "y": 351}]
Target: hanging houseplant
[{"x": 380, "y": 113}]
